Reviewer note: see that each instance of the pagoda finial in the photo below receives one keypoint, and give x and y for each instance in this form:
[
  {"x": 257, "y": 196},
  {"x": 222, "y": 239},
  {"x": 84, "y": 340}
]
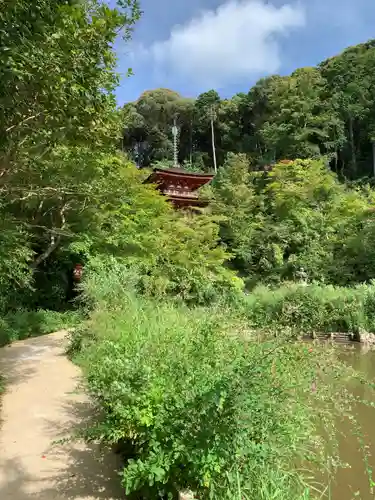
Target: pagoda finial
[{"x": 175, "y": 142}]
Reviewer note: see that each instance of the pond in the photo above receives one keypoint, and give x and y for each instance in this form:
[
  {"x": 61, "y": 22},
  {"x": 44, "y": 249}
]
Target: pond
[{"x": 353, "y": 483}]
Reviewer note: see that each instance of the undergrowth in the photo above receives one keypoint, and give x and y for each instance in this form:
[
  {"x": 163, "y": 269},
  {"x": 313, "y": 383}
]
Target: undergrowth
[
  {"x": 201, "y": 402},
  {"x": 23, "y": 324},
  {"x": 312, "y": 308}
]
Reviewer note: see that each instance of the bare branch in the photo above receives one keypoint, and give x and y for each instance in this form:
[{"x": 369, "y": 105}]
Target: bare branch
[
  {"x": 22, "y": 122},
  {"x": 23, "y": 198},
  {"x": 55, "y": 241},
  {"x": 53, "y": 230}
]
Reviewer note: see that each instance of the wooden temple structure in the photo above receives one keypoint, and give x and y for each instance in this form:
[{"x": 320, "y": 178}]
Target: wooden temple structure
[{"x": 179, "y": 186}]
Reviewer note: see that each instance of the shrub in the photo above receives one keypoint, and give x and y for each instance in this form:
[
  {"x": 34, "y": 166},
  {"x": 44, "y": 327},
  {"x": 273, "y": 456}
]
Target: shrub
[
  {"x": 195, "y": 403},
  {"x": 312, "y": 308},
  {"x": 23, "y": 324},
  {"x": 107, "y": 279}
]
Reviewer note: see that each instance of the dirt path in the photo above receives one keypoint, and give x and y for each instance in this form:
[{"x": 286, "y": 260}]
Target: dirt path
[{"x": 39, "y": 407}]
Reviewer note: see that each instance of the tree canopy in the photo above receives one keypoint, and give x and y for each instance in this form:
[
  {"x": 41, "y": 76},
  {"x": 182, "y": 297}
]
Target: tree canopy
[
  {"x": 327, "y": 110},
  {"x": 68, "y": 193}
]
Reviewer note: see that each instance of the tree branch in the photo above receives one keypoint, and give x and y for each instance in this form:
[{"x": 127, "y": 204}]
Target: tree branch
[
  {"x": 22, "y": 122},
  {"x": 55, "y": 240}
]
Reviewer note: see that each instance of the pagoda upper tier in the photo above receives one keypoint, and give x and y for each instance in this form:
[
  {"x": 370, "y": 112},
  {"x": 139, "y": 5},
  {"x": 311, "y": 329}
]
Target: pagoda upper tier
[{"x": 179, "y": 186}]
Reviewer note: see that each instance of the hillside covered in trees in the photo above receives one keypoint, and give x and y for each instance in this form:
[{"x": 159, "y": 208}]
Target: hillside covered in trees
[{"x": 328, "y": 110}]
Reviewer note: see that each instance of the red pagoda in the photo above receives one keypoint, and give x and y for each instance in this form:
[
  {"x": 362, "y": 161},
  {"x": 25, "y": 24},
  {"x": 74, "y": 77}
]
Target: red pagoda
[{"x": 179, "y": 186}]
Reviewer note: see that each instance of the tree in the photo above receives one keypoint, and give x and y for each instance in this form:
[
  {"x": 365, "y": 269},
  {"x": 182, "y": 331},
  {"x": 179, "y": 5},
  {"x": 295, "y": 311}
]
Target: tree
[
  {"x": 148, "y": 123},
  {"x": 57, "y": 74},
  {"x": 236, "y": 200},
  {"x": 175, "y": 254},
  {"x": 256, "y": 114},
  {"x": 328, "y": 110},
  {"x": 296, "y": 217},
  {"x": 57, "y": 77},
  {"x": 234, "y": 123},
  {"x": 206, "y": 115},
  {"x": 302, "y": 123},
  {"x": 350, "y": 81}
]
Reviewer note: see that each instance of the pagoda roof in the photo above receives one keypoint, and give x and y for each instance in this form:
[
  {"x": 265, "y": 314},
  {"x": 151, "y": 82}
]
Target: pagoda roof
[
  {"x": 193, "y": 179},
  {"x": 180, "y": 186}
]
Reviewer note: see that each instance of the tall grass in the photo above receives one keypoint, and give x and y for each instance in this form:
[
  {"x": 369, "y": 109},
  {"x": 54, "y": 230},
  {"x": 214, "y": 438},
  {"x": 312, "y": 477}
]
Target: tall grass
[
  {"x": 312, "y": 308},
  {"x": 200, "y": 405}
]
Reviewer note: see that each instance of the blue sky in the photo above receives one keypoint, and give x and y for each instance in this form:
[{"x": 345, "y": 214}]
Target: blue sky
[{"x": 193, "y": 45}]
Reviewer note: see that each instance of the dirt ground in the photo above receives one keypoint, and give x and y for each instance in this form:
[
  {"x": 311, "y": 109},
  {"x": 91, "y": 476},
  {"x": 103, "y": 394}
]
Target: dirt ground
[{"x": 41, "y": 405}]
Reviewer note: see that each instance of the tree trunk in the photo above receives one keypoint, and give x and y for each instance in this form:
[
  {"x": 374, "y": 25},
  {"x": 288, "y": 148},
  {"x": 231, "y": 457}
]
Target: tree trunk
[
  {"x": 373, "y": 158},
  {"x": 55, "y": 241},
  {"x": 352, "y": 146},
  {"x": 336, "y": 161}
]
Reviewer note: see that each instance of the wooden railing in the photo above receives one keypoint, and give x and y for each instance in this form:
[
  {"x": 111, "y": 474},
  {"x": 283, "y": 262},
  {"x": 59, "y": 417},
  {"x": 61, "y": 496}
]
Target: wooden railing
[{"x": 177, "y": 192}]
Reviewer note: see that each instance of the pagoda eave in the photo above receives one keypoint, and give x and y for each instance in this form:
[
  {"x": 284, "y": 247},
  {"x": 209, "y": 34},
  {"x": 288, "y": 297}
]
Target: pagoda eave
[{"x": 181, "y": 202}]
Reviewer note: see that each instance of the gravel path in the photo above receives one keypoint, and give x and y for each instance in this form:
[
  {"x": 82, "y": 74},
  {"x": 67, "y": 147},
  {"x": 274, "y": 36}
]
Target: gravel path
[{"x": 42, "y": 405}]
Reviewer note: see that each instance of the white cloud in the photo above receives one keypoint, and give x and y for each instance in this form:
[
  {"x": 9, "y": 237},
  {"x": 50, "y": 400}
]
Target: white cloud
[{"x": 238, "y": 40}]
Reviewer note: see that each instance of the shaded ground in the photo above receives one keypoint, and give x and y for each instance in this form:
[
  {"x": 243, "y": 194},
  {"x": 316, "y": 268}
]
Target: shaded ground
[{"x": 41, "y": 405}]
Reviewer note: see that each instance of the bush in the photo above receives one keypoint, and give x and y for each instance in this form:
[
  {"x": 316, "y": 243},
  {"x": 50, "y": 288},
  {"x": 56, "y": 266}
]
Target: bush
[
  {"x": 107, "y": 279},
  {"x": 312, "y": 308},
  {"x": 24, "y": 324},
  {"x": 200, "y": 408}
]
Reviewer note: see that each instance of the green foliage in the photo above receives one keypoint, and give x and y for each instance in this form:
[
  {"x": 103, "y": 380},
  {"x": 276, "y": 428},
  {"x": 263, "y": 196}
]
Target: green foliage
[
  {"x": 190, "y": 262},
  {"x": 354, "y": 253},
  {"x": 350, "y": 82},
  {"x": 57, "y": 73},
  {"x": 174, "y": 277},
  {"x": 266, "y": 483},
  {"x": 295, "y": 220},
  {"x": 326, "y": 110},
  {"x": 23, "y": 324},
  {"x": 148, "y": 126},
  {"x": 174, "y": 253},
  {"x": 235, "y": 199},
  {"x": 302, "y": 123},
  {"x": 58, "y": 119},
  {"x": 199, "y": 402},
  {"x": 312, "y": 308},
  {"x": 15, "y": 253}
]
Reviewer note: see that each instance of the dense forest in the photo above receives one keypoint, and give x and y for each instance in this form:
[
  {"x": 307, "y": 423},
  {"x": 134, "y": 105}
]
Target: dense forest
[
  {"x": 328, "y": 110},
  {"x": 203, "y": 387}
]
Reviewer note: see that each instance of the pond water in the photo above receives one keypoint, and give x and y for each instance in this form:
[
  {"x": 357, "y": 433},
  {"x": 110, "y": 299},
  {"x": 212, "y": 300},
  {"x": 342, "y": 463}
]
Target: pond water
[{"x": 353, "y": 483}]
